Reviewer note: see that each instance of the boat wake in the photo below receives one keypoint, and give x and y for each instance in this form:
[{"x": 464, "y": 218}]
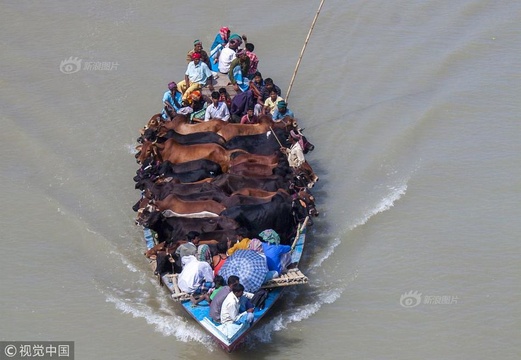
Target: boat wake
[
  {"x": 322, "y": 293},
  {"x": 396, "y": 192},
  {"x": 140, "y": 304}
]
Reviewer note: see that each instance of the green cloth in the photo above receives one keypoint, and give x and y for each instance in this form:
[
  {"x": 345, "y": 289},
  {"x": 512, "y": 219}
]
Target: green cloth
[
  {"x": 270, "y": 236},
  {"x": 212, "y": 295}
]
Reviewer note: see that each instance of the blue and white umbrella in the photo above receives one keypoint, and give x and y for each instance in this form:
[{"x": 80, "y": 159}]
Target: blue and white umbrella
[{"x": 249, "y": 266}]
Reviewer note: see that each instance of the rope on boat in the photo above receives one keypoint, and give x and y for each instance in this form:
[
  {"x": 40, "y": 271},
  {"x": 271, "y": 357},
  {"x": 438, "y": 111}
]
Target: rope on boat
[{"x": 303, "y": 49}]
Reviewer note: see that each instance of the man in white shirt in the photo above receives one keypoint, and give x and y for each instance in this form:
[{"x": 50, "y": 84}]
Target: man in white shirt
[
  {"x": 217, "y": 110},
  {"x": 295, "y": 153},
  {"x": 230, "y": 308},
  {"x": 225, "y": 59},
  {"x": 194, "y": 274},
  {"x": 228, "y": 54}
]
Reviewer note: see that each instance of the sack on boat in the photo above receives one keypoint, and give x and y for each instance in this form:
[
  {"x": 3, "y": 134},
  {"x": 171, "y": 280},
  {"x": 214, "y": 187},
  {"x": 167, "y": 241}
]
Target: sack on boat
[{"x": 259, "y": 298}]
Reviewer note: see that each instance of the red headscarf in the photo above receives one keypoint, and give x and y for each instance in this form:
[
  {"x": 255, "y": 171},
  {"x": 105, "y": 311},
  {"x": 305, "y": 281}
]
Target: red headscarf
[
  {"x": 196, "y": 55},
  {"x": 224, "y": 33}
]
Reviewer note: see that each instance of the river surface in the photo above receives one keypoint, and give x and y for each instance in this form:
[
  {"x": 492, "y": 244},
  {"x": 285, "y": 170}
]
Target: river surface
[{"x": 413, "y": 107}]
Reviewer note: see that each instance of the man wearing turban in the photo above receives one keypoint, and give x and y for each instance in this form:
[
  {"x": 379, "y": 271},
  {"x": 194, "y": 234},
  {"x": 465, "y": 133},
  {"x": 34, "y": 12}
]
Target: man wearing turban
[
  {"x": 197, "y": 75},
  {"x": 198, "y": 48}
]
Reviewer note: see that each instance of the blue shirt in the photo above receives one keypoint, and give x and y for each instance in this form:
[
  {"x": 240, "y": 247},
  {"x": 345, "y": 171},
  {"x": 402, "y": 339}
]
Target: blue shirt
[
  {"x": 198, "y": 73},
  {"x": 273, "y": 255},
  {"x": 167, "y": 97},
  {"x": 278, "y": 116}
]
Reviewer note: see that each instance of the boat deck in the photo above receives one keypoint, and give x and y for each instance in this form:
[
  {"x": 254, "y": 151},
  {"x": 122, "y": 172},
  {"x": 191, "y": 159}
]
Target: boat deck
[{"x": 292, "y": 277}]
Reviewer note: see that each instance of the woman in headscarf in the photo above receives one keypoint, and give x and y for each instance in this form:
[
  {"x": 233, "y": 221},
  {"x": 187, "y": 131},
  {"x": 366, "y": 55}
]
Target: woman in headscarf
[
  {"x": 273, "y": 250},
  {"x": 221, "y": 39},
  {"x": 204, "y": 254}
]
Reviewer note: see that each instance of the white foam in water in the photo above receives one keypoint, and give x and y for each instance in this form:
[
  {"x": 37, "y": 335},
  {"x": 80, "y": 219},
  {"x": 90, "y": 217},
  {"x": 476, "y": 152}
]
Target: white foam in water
[
  {"x": 124, "y": 260},
  {"x": 170, "y": 325},
  {"x": 131, "y": 148},
  {"x": 385, "y": 204},
  {"x": 326, "y": 254}
]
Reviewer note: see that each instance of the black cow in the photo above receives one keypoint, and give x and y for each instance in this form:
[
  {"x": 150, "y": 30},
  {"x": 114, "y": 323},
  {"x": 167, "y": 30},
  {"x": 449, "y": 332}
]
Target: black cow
[
  {"x": 190, "y": 171},
  {"x": 174, "y": 228},
  {"x": 230, "y": 183},
  {"x": 261, "y": 144},
  {"x": 276, "y": 214},
  {"x": 159, "y": 191}
]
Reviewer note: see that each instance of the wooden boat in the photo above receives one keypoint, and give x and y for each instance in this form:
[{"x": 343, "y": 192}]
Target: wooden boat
[
  {"x": 230, "y": 337},
  {"x": 229, "y": 340}
]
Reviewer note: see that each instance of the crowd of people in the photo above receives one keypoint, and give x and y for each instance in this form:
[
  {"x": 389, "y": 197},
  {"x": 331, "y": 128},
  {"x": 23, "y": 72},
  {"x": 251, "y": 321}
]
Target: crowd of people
[
  {"x": 199, "y": 269},
  {"x": 231, "y": 56}
]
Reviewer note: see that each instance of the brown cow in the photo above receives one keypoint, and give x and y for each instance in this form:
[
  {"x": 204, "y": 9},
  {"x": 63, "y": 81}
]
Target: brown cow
[
  {"x": 265, "y": 124},
  {"x": 254, "y": 158},
  {"x": 252, "y": 169},
  {"x": 155, "y": 122},
  {"x": 305, "y": 174},
  {"x": 176, "y": 153},
  {"x": 180, "y": 124},
  {"x": 177, "y": 205},
  {"x": 258, "y": 192}
]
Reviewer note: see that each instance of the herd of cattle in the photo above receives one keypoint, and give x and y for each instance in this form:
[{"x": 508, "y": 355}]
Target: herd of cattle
[{"x": 220, "y": 178}]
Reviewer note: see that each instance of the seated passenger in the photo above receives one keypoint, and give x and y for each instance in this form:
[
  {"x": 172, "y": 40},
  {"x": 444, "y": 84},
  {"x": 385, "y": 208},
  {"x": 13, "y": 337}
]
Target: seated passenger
[
  {"x": 230, "y": 310},
  {"x": 217, "y": 110},
  {"x": 268, "y": 85},
  {"x": 221, "y": 39},
  {"x": 274, "y": 251},
  {"x": 217, "y": 301},
  {"x": 258, "y": 81},
  {"x": 240, "y": 104},
  {"x": 228, "y": 53},
  {"x": 219, "y": 259},
  {"x": 187, "y": 248},
  {"x": 256, "y": 245},
  {"x": 250, "y": 118},
  {"x": 218, "y": 285},
  {"x": 241, "y": 242},
  {"x": 282, "y": 111},
  {"x": 172, "y": 100},
  {"x": 238, "y": 73},
  {"x": 225, "y": 97},
  {"x": 204, "y": 253},
  {"x": 271, "y": 102},
  {"x": 198, "y": 48},
  {"x": 254, "y": 60},
  {"x": 196, "y": 276},
  {"x": 197, "y": 75}
]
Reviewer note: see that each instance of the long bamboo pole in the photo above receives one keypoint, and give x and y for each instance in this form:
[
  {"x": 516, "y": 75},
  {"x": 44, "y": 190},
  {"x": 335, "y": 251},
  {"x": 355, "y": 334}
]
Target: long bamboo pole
[{"x": 303, "y": 49}]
